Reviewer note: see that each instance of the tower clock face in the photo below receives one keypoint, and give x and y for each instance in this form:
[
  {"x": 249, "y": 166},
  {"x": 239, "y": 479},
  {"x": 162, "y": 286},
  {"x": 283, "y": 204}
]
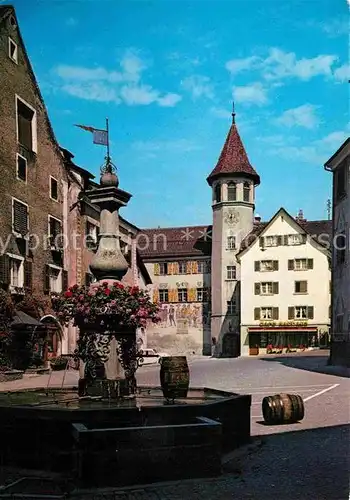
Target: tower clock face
[{"x": 231, "y": 217}]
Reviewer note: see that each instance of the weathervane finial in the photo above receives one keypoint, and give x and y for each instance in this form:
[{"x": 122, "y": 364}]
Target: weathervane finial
[{"x": 233, "y": 111}]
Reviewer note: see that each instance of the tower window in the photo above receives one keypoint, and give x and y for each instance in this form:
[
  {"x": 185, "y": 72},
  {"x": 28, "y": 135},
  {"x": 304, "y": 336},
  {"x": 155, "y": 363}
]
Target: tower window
[
  {"x": 231, "y": 192},
  {"x": 218, "y": 193},
  {"x": 246, "y": 192},
  {"x": 53, "y": 189}
]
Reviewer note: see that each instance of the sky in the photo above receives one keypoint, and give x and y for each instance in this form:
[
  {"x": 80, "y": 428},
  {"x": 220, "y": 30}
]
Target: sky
[{"x": 166, "y": 72}]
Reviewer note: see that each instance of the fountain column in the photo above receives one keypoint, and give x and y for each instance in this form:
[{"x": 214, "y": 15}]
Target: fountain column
[{"x": 111, "y": 345}]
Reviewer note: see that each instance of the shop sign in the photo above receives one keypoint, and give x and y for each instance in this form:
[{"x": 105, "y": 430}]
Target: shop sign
[{"x": 283, "y": 323}]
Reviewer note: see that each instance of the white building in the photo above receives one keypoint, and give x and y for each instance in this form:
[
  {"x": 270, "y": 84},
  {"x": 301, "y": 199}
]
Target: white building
[
  {"x": 338, "y": 164},
  {"x": 285, "y": 284}
]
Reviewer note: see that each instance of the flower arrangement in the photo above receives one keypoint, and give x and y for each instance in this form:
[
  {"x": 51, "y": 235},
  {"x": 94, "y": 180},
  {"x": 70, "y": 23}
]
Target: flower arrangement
[{"x": 130, "y": 306}]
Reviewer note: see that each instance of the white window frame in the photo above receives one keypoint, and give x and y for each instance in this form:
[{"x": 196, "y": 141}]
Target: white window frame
[
  {"x": 201, "y": 266},
  {"x": 298, "y": 312},
  {"x": 266, "y": 313},
  {"x": 295, "y": 239},
  {"x": 184, "y": 293},
  {"x": 54, "y": 178},
  {"x": 183, "y": 263},
  {"x": 13, "y": 214},
  {"x": 34, "y": 123},
  {"x": 60, "y": 277},
  {"x": 231, "y": 307},
  {"x": 20, "y": 271},
  {"x": 231, "y": 242},
  {"x": 15, "y": 58},
  {"x": 164, "y": 291},
  {"x": 301, "y": 268},
  {"x": 25, "y": 159},
  {"x": 263, "y": 263},
  {"x": 266, "y": 288},
  {"x": 230, "y": 272},
  {"x": 271, "y": 241},
  {"x": 49, "y": 216}
]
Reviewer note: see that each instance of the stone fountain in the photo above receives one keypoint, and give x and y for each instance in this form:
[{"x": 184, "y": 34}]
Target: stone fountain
[
  {"x": 109, "y": 369},
  {"x": 109, "y": 431}
]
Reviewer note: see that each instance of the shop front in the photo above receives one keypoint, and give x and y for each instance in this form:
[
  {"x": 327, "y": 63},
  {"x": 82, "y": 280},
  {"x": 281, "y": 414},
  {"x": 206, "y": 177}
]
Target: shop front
[{"x": 281, "y": 336}]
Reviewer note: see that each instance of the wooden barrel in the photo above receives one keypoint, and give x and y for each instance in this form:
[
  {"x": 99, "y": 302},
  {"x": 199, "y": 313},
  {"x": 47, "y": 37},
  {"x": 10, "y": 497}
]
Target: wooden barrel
[
  {"x": 174, "y": 377},
  {"x": 283, "y": 408}
]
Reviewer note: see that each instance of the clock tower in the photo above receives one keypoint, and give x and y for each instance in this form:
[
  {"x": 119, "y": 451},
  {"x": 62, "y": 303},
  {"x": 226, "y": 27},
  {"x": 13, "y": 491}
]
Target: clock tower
[{"x": 233, "y": 183}]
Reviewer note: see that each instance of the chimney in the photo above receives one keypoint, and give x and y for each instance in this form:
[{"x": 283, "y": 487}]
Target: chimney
[
  {"x": 300, "y": 216},
  {"x": 257, "y": 219}
]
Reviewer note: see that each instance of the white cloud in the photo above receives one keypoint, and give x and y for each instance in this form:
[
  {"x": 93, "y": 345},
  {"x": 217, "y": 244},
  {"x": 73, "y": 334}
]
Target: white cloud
[
  {"x": 279, "y": 64},
  {"x": 100, "y": 84},
  {"x": 316, "y": 152},
  {"x": 254, "y": 93},
  {"x": 220, "y": 112},
  {"x": 198, "y": 86},
  {"x": 302, "y": 116},
  {"x": 342, "y": 73},
  {"x": 237, "y": 65}
]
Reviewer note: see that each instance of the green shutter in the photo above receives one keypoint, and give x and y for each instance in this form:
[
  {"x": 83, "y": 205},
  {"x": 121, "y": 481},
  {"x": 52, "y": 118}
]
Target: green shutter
[
  {"x": 257, "y": 265},
  {"x": 290, "y": 265},
  {"x": 310, "y": 263},
  {"x": 28, "y": 274},
  {"x": 4, "y": 269},
  {"x": 310, "y": 312},
  {"x": 275, "y": 288},
  {"x": 275, "y": 313},
  {"x": 291, "y": 312},
  {"x": 257, "y": 288},
  {"x": 257, "y": 313},
  {"x": 275, "y": 265}
]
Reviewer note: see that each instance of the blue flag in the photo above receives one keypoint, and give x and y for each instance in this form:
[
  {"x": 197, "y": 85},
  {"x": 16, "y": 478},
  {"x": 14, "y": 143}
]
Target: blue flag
[{"x": 100, "y": 137}]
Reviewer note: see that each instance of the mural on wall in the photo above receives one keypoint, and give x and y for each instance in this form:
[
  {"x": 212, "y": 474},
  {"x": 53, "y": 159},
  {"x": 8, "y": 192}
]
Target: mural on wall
[{"x": 184, "y": 328}]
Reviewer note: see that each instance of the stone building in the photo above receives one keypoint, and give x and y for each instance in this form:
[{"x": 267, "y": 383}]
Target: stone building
[
  {"x": 34, "y": 180},
  {"x": 203, "y": 277},
  {"x": 339, "y": 165},
  {"x": 285, "y": 284}
]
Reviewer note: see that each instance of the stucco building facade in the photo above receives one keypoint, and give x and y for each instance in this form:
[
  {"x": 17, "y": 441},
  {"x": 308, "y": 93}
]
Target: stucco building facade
[{"x": 339, "y": 165}]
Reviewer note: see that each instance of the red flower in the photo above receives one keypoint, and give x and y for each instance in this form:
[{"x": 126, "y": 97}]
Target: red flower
[
  {"x": 107, "y": 291},
  {"x": 68, "y": 294},
  {"x": 120, "y": 285}
]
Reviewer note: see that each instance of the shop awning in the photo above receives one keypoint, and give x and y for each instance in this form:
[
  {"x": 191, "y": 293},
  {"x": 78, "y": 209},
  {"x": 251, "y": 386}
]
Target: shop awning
[
  {"x": 278, "y": 329},
  {"x": 22, "y": 319}
]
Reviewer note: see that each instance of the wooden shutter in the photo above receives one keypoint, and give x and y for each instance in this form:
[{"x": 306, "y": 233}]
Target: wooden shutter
[
  {"x": 194, "y": 267},
  {"x": 310, "y": 312},
  {"x": 20, "y": 217},
  {"x": 257, "y": 265},
  {"x": 261, "y": 241},
  {"x": 191, "y": 295},
  {"x": 176, "y": 268},
  {"x": 64, "y": 280},
  {"x": 28, "y": 274},
  {"x": 290, "y": 312},
  {"x": 170, "y": 268},
  {"x": 285, "y": 239},
  {"x": 47, "y": 272},
  {"x": 156, "y": 269},
  {"x": 303, "y": 286},
  {"x": 25, "y": 132},
  {"x": 188, "y": 267},
  {"x": 310, "y": 263},
  {"x": 291, "y": 265},
  {"x": 4, "y": 269},
  {"x": 280, "y": 240},
  {"x": 175, "y": 295},
  {"x": 156, "y": 295},
  {"x": 257, "y": 288},
  {"x": 275, "y": 313},
  {"x": 275, "y": 265},
  {"x": 275, "y": 287},
  {"x": 257, "y": 313}
]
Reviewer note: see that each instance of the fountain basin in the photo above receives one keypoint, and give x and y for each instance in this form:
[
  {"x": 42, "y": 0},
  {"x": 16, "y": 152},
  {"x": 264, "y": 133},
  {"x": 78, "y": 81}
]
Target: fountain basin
[{"x": 36, "y": 429}]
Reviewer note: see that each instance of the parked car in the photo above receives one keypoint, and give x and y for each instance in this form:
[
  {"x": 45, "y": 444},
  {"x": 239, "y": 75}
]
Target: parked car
[{"x": 152, "y": 356}]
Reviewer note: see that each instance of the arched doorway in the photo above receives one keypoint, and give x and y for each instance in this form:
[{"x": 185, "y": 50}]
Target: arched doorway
[
  {"x": 230, "y": 345},
  {"x": 53, "y": 337}
]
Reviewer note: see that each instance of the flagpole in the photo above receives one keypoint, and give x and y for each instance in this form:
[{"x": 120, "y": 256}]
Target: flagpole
[{"x": 107, "y": 128}]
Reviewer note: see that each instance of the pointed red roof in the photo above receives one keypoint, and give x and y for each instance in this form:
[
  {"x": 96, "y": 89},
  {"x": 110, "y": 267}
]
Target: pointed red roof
[{"x": 233, "y": 158}]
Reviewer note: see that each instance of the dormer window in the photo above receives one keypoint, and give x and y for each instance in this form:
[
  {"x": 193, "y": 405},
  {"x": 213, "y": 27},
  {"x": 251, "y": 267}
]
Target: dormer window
[
  {"x": 218, "y": 193},
  {"x": 246, "y": 192},
  {"x": 231, "y": 191}
]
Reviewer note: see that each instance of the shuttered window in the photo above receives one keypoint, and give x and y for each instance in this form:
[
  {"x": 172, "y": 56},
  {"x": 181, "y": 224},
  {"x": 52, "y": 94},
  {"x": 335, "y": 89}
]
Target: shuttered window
[
  {"x": 21, "y": 168},
  {"x": 25, "y": 119},
  {"x": 301, "y": 312},
  {"x": 53, "y": 188},
  {"x": 4, "y": 269},
  {"x": 300, "y": 287},
  {"x": 20, "y": 217},
  {"x": 231, "y": 191},
  {"x": 28, "y": 274},
  {"x": 55, "y": 227}
]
